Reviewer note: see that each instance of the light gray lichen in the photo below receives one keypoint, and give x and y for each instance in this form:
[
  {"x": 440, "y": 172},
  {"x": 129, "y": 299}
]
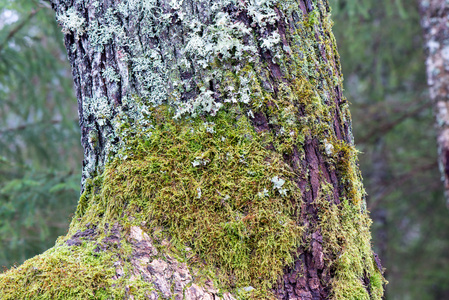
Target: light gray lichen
[
  {"x": 328, "y": 148},
  {"x": 110, "y": 74},
  {"x": 277, "y": 185},
  {"x": 271, "y": 40},
  {"x": 204, "y": 102},
  {"x": 71, "y": 21},
  {"x": 264, "y": 193}
]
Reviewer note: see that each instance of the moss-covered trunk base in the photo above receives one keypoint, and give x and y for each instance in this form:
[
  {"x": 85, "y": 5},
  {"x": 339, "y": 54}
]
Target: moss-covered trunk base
[
  {"x": 115, "y": 268},
  {"x": 218, "y": 157},
  {"x": 197, "y": 209}
]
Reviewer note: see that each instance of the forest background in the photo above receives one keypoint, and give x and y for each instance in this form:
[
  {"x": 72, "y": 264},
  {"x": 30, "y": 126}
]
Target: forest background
[{"x": 381, "y": 48}]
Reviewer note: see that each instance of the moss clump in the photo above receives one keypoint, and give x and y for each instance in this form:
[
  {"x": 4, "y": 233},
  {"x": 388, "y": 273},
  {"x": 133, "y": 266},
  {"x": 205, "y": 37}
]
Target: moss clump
[
  {"x": 213, "y": 187},
  {"x": 346, "y": 237},
  {"x": 63, "y": 273}
]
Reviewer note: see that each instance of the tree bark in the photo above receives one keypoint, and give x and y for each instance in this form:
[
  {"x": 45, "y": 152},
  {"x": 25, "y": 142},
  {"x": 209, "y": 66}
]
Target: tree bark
[
  {"x": 434, "y": 21},
  {"x": 219, "y": 158}
]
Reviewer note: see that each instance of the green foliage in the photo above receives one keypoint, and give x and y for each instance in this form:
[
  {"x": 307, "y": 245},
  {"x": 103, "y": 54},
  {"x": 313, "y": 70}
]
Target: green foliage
[
  {"x": 380, "y": 61},
  {"x": 39, "y": 135}
]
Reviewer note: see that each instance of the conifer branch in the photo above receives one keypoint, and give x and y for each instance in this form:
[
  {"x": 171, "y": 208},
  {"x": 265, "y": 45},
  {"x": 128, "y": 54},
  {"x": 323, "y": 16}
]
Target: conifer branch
[{"x": 19, "y": 26}]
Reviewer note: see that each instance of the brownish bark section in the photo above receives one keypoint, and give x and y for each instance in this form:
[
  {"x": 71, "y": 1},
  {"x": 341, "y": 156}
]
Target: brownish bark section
[
  {"x": 435, "y": 24},
  {"x": 310, "y": 277}
]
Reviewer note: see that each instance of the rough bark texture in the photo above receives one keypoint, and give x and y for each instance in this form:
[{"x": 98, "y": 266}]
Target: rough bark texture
[
  {"x": 148, "y": 71},
  {"x": 435, "y": 23}
]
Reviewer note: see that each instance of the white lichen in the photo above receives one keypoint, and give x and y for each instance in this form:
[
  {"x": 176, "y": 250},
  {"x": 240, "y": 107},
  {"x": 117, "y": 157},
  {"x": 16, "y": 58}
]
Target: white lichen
[
  {"x": 99, "y": 108},
  {"x": 149, "y": 72},
  {"x": 222, "y": 38},
  {"x": 277, "y": 185},
  {"x": 270, "y": 41},
  {"x": 328, "y": 147},
  {"x": 263, "y": 194},
  {"x": 199, "y": 161},
  {"x": 262, "y": 12},
  {"x": 110, "y": 75},
  {"x": 176, "y": 4},
  {"x": 204, "y": 102},
  {"x": 433, "y": 46},
  {"x": 209, "y": 127},
  {"x": 71, "y": 21}
]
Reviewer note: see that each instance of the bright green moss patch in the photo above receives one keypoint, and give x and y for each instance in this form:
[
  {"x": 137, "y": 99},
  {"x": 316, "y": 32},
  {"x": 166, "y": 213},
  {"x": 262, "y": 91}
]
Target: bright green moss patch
[
  {"x": 213, "y": 187},
  {"x": 62, "y": 273},
  {"x": 346, "y": 237},
  {"x": 345, "y": 157}
]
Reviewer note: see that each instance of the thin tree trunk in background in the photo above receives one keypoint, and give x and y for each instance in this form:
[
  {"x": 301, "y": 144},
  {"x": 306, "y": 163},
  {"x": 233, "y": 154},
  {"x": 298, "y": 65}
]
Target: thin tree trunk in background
[
  {"x": 435, "y": 23},
  {"x": 219, "y": 158}
]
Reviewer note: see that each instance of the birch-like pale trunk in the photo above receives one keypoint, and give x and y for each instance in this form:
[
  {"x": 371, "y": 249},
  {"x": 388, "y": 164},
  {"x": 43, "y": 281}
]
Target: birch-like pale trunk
[{"x": 435, "y": 24}]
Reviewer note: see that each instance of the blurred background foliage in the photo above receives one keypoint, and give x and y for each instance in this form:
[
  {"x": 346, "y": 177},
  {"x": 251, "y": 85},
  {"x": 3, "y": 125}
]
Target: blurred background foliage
[
  {"x": 40, "y": 152},
  {"x": 381, "y": 50}
]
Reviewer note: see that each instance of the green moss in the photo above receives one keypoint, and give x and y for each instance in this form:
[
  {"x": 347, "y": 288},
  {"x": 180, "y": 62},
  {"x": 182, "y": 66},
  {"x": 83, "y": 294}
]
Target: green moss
[
  {"x": 346, "y": 237},
  {"x": 312, "y": 18},
  {"x": 212, "y": 187},
  {"x": 346, "y": 158},
  {"x": 62, "y": 273}
]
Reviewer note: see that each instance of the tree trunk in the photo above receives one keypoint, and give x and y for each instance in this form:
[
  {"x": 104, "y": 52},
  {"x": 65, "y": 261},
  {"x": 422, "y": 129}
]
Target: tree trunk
[
  {"x": 219, "y": 160},
  {"x": 434, "y": 21}
]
